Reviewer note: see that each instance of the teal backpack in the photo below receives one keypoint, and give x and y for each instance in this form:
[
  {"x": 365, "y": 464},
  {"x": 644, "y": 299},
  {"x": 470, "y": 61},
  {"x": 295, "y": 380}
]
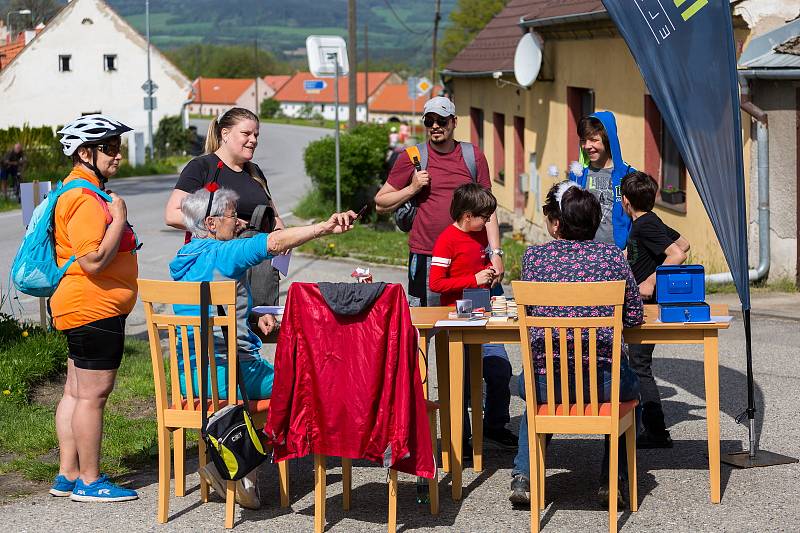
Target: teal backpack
[{"x": 34, "y": 270}]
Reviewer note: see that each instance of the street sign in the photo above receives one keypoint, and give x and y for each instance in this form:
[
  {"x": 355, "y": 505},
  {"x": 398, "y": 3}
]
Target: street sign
[
  {"x": 314, "y": 86},
  {"x": 324, "y": 52},
  {"x": 149, "y": 103},
  {"x": 412, "y": 88},
  {"x": 423, "y": 86},
  {"x": 149, "y": 87}
]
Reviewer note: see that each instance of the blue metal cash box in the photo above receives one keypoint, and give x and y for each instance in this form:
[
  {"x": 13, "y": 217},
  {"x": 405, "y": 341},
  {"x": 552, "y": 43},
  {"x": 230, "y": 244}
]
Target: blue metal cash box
[{"x": 681, "y": 293}]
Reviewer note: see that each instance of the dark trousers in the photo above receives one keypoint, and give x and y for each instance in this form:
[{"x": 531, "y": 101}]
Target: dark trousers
[
  {"x": 496, "y": 375},
  {"x": 640, "y": 357}
]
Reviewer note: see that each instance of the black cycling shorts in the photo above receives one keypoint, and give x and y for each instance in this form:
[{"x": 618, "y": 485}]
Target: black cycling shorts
[{"x": 97, "y": 345}]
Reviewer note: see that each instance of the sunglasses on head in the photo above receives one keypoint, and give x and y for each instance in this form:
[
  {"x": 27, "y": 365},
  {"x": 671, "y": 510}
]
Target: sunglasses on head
[
  {"x": 439, "y": 120},
  {"x": 111, "y": 150}
]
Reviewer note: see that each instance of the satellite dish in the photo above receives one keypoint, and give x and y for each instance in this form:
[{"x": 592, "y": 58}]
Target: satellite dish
[{"x": 527, "y": 60}]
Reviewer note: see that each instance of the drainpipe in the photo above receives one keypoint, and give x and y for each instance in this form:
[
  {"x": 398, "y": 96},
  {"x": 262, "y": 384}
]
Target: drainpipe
[{"x": 762, "y": 141}]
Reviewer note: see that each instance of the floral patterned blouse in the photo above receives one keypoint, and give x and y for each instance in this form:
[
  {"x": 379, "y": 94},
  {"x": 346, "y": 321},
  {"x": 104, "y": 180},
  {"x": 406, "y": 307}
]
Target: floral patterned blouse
[{"x": 563, "y": 260}]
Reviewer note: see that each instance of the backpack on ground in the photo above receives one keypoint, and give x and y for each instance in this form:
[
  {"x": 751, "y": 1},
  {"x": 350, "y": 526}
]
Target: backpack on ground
[
  {"x": 35, "y": 271},
  {"x": 404, "y": 215}
]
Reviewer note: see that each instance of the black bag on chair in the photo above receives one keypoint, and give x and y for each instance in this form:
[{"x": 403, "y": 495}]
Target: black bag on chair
[
  {"x": 230, "y": 436},
  {"x": 264, "y": 279}
]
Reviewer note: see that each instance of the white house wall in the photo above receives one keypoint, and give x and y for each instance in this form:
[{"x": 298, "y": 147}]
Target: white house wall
[
  {"x": 328, "y": 111},
  {"x": 34, "y": 91}
]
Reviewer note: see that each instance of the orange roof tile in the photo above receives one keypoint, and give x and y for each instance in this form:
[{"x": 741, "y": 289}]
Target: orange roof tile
[
  {"x": 276, "y": 82},
  {"x": 219, "y": 90},
  {"x": 292, "y": 90},
  {"x": 10, "y": 50},
  {"x": 393, "y": 98}
]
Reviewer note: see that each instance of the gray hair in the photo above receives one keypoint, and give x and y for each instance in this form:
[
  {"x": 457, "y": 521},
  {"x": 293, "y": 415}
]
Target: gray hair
[{"x": 194, "y": 208}]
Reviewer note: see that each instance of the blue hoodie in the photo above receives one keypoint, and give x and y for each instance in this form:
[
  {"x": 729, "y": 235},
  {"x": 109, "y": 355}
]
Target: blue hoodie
[
  {"x": 212, "y": 260},
  {"x": 620, "y": 221}
]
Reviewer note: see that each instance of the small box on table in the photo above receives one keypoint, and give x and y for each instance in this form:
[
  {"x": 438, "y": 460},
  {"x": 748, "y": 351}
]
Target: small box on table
[{"x": 681, "y": 294}]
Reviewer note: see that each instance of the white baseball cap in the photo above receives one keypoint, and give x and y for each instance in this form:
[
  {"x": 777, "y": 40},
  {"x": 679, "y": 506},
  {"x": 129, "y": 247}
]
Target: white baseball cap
[{"x": 441, "y": 106}]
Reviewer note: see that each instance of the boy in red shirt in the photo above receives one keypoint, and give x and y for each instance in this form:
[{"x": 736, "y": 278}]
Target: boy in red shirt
[{"x": 460, "y": 261}]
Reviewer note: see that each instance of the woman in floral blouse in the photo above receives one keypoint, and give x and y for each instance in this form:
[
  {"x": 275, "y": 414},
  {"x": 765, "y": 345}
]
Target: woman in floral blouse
[{"x": 572, "y": 216}]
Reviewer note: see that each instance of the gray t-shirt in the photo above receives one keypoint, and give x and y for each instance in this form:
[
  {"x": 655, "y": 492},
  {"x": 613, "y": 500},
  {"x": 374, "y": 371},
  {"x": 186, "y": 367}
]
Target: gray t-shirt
[{"x": 598, "y": 182}]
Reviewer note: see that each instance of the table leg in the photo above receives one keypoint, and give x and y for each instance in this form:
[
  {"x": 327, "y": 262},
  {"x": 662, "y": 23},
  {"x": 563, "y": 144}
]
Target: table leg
[
  {"x": 456, "y": 411},
  {"x": 711, "y": 366},
  {"x": 476, "y": 401},
  {"x": 443, "y": 382}
]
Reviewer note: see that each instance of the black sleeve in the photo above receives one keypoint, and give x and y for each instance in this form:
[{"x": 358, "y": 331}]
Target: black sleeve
[
  {"x": 674, "y": 235},
  {"x": 193, "y": 177},
  {"x": 654, "y": 235}
]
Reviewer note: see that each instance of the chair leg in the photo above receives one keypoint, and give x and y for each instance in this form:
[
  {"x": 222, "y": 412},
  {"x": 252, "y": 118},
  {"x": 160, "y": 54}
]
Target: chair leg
[
  {"x": 230, "y": 503},
  {"x": 164, "y": 460},
  {"x": 476, "y": 402},
  {"x": 179, "y": 452},
  {"x": 319, "y": 493},
  {"x": 613, "y": 464},
  {"x": 433, "y": 484},
  {"x": 347, "y": 482},
  {"x": 533, "y": 444},
  {"x": 392, "y": 527},
  {"x": 633, "y": 482},
  {"x": 283, "y": 482},
  {"x": 443, "y": 382},
  {"x": 202, "y": 460},
  {"x": 541, "y": 451}
]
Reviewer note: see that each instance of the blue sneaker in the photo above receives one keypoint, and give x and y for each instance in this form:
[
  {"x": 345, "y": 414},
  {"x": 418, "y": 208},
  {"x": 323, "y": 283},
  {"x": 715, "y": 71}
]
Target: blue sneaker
[
  {"x": 62, "y": 486},
  {"x": 102, "y": 490}
]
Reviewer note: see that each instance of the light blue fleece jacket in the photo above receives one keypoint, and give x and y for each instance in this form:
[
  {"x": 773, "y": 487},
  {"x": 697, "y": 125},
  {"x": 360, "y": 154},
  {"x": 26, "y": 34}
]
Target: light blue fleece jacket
[
  {"x": 620, "y": 221},
  {"x": 212, "y": 260}
]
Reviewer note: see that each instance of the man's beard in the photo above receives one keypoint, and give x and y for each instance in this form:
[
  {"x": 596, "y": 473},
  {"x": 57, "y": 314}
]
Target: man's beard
[{"x": 443, "y": 140}]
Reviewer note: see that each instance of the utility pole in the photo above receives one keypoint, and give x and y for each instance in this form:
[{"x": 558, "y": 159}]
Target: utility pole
[
  {"x": 366, "y": 73},
  {"x": 436, "y": 18},
  {"x": 257, "y": 111},
  {"x": 149, "y": 81},
  {"x": 352, "y": 51}
]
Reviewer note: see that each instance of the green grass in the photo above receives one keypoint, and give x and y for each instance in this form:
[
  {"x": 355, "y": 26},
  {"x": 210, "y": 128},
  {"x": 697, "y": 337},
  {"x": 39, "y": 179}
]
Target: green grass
[
  {"x": 28, "y": 442},
  {"x": 384, "y": 246},
  {"x": 783, "y": 284},
  {"x": 8, "y": 205}
]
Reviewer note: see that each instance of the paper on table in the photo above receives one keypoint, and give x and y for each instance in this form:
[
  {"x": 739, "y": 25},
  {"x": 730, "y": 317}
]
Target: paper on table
[
  {"x": 462, "y": 323},
  {"x": 281, "y": 263},
  {"x": 268, "y": 309}
]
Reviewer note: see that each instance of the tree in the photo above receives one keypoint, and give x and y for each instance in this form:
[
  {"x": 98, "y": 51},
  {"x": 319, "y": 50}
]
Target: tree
[
  {"x": 269, "y": 108},
  {"x": 466, "y": 20},
  {"x": 218, "y": 61},
  {"x": 41, "y": 12},
  {"x": 171, "y": 138}
]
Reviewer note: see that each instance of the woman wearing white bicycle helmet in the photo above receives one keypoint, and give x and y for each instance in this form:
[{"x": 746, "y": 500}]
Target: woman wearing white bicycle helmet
[{"x": 91, "y": 303}]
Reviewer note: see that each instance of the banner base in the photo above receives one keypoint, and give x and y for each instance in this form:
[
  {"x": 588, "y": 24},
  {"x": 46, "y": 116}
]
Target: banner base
[{"x": 762, "y": 458}]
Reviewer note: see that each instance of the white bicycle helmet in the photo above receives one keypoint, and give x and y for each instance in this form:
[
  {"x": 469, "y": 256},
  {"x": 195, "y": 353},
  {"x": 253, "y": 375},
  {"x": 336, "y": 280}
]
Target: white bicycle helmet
[{"x": 89, "y": 129}]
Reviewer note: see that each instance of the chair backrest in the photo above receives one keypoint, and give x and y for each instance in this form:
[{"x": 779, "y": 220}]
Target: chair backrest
[
  {"x": 156, "y": 293},
  {"x": 571, "y": 294}
]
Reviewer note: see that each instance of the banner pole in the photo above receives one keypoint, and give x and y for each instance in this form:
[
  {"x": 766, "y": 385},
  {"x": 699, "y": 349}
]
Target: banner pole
[{"x": 42, "y": 301}]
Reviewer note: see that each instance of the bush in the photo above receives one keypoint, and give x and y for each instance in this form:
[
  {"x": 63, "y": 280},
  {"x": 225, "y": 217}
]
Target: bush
[
  {"x": 269, "y": 108},
  {"x": 44, "y": 158},
  {"x": 171, "y": 138},
  {"x": 362, "y": 164}
]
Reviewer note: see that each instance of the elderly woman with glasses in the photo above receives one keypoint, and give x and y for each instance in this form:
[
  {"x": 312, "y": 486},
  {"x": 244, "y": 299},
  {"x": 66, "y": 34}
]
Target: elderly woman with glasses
[{"x": 214, "y": 254}]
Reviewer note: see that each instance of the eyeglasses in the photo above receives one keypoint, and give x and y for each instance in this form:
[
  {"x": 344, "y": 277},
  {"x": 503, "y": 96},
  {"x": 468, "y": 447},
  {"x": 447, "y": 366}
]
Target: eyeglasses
[
  {"x": 232, "y": 215},
  {"x": 439, "y": 120},
  {"x": 484, "y": 217},
  {"x": 111, "y": 150}
]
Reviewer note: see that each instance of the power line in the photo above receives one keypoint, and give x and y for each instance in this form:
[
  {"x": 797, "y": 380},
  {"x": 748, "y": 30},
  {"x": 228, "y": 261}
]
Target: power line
[{"x": 403, "y": 24}]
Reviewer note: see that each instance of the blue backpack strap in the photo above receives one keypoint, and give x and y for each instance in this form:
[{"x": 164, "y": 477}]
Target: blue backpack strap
[
  {"x": 84, "y": 184},
  {"x": 423, "y": 155},
  {"x": 468, "y": 153}
]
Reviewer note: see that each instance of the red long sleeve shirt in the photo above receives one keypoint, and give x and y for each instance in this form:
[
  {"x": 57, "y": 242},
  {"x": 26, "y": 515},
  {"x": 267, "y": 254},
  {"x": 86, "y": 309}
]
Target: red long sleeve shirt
[{"x": 457, "y": 256}]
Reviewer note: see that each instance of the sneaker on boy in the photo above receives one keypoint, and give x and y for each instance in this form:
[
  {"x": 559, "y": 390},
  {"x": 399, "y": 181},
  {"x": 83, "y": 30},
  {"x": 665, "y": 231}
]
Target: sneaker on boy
[
  {"x": 62, "y": 486},
  {"x": 101, "y": 490}
]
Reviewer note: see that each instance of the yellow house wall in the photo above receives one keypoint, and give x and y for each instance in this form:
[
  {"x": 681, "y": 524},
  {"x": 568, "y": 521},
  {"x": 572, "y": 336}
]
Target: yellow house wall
[{"x": 606, "y": 66}]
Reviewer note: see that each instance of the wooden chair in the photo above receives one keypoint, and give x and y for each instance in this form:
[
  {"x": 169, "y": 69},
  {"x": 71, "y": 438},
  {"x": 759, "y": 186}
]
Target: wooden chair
[
  {"x": 612, "y": 418},
  {"x": 176, "y": 412},
  {"x": 347, "y": 477}
]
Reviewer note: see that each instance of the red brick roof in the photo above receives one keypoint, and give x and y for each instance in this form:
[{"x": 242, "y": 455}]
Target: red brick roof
[
  {"x": 493, "y": 48},
  {"x": 219, "y": 90},
  {"x": 393, "y": 98},
  {"x": 276, "y": 82},
  {"x": 292, "y": 90},
  {"x": 10, "y": 49}
]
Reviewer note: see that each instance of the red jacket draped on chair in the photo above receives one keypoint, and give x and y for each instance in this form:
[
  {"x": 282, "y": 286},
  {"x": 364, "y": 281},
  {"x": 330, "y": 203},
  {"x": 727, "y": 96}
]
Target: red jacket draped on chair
[{"x": 349, "y": 385}]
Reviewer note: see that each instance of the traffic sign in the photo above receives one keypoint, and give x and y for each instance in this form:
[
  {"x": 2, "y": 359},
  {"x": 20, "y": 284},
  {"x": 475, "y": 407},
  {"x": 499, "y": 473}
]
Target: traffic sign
[
  {"x": 149, "y": 87},
  {"x": 149, "y": 103},
  {"x": 314, "y": 85},
  {"x": 424, "y": 85},
  {"x": 412, "y": 88}
]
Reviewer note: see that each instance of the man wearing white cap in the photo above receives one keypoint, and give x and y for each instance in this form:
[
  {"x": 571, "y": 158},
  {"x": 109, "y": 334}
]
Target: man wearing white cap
[{"x": 445, "y": 165}]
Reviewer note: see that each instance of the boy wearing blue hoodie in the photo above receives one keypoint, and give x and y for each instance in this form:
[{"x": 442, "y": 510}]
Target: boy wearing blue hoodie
[{"x": 600, "y": 170}]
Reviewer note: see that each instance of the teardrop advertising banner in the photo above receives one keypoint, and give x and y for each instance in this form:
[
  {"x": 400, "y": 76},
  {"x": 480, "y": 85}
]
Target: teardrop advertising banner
[{"x": 685, "y": 52}]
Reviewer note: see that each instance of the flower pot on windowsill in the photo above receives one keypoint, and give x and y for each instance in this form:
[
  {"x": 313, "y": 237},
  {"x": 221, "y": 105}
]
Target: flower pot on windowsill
[{"x": 673, "y": 197}]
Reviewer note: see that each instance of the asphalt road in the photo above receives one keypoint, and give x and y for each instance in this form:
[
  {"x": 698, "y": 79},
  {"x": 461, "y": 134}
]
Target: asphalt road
[{"x": 280, "y": 156}]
